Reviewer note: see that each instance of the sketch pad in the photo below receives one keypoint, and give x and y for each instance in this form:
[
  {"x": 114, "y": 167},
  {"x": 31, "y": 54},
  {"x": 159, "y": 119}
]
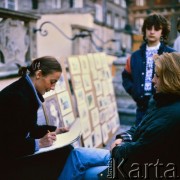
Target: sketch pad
[{"x": 65, "y": 138}]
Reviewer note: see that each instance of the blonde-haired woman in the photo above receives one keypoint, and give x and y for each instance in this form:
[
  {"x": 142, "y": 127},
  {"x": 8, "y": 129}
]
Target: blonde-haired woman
[{"x": 147, "y": 151}]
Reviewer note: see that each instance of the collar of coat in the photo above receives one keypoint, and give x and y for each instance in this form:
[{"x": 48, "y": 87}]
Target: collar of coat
[{"x": 163, "y": 99}]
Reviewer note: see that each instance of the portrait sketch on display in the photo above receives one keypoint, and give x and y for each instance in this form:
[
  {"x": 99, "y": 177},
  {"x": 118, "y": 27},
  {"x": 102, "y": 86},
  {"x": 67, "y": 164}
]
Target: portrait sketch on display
[
  {"x": 74, "y": 65},
  {"x": 97, "y": 136},
  {"x": 105, "y": 87},
  {"x": 94, "y": 116},
  {"x": 84, "y": 118},
  {"x": 115, "y": 123},
  {"x": 87, "y": 82},
  {"x": 60, "y": 85},
  {"x": 64, "y": 102},
  {"x": 97, "y": 60},
  {"x": 84, "y": 64},
  {"x": 98, "y": 87},
  {"x": 68, "y": 120},
  {"x": 90, "y": 100},
  {"x": 91, "y": 62},
  {"x": 104, "y": 130},
  {"x": 77, "y": 81},
  {"x": 80, "y": 96},
  {"x": 88, "y": 143},
  {"x": 52, "y": 111}
]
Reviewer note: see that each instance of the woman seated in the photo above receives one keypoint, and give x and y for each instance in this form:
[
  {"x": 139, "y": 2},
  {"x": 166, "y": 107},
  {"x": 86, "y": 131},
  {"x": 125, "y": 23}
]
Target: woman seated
[{"x": 150, "y": 150}]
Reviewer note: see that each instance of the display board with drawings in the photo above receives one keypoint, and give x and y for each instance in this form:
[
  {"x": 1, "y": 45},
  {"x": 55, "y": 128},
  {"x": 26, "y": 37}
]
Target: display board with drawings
[
  {"x": 58, "y": 105},
  {"x": 102, "y": 82},
  {"x": 93, "y": 90}
]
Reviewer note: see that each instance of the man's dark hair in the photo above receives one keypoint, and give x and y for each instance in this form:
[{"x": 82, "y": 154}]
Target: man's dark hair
[{"x": 159, "y": 22}]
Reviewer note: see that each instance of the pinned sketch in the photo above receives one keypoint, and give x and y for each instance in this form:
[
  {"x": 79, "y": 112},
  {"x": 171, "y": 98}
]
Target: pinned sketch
[
  {"x": 95, "y": 116},
  {"x": 98, "y": 87},
  {"x": 80, "y": 96},
  {"x": 97, "y": 60},
  {"x": 97, "y": 136},
  {"x": 60, "y": 85},
  {"x": 87, "y": 82},
  {"x": 84, "y": 118},
  {"x": 104, "y": 130},
  {"x": 74, "y": 65},
  {"x": 90, "y": 100},
  {"x": 77, "y": 81},
  {"x": 64, "y": 102},
  {"x": 84, "y": 64},
  {"x": 52, "y": 111},
  {"x": 68, "y": 120},
  {"x": 88, "y": 143}
]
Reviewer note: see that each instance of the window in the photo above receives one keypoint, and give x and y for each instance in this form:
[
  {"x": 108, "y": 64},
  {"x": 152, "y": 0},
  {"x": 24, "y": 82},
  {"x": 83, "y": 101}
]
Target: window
[
  {"x": 99, "y": 13},
  {"x": 139, "y": 23},
  {"x": 122, "y": 22},
  {"x": 117, "y": 1},
  {"x": 109, "y": 19},
  {"x": 123, "y": 3},
  {"x": 76, "y": 4},
  {"x": 116, "y": 22},
  {"x": 140, "y": 3},
  {"x": 56, "y": 4},
  {"x": 11, "y": 4}
]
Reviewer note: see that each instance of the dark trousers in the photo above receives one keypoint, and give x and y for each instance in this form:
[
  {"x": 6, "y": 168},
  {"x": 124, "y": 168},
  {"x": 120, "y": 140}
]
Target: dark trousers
[{"x": 44, "y": 166}]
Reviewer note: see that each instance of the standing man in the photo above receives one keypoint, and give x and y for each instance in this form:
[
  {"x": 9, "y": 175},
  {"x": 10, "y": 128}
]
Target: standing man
[{"x": 139, "y": 69}]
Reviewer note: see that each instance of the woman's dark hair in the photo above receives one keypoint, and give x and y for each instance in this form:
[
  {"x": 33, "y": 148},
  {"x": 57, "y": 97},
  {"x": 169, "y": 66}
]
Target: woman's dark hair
[
  {"x": 159, "y": 22},
  {"x": 46, "y": 64}
]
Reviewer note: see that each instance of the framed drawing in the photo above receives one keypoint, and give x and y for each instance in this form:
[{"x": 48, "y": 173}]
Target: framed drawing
[
  {"x": 87, "y": 82},
  {"x": 74, "y": 65},
  {"x": 60, "y": 85},
  {"x": 100, "y": 102},
  {"x": 97, "y": 60},
  {"x": 105, "y": 87},
  {"x": 100, "y": 74},
  {"x": 64, "y": 102},
  {"x": 94, "y": 74},
  {"x": 88, "y": 143},
  {"x": 97, "y": 136},
  {"x": 104, "y": 59},
  {"x": 77, "y": 81},
  {"x": 104, "y": 130},
  {"x": 68, "y": 119},
  {"x": 98, "y": 87},
  {"x": 84, "y": 64},
  {"x": 52, "y": 111},
  {"x": 80, "y": 96},
  {"x": 94, "y": 116},
  {"x": 90, "y": 100},
  {"x": 85, "y": 121},
  {"x": 91, "y": 61},
  {"x": 102, "y": 116},
  {"x": 115, "y": 123}
]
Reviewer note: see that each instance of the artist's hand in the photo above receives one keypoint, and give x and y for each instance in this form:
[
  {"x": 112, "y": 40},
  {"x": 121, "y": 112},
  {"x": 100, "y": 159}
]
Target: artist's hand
[
  {"x": 115, "y": 143},
  {"x": 61, "y": 130},
  {"x": 47, "y": 140}
]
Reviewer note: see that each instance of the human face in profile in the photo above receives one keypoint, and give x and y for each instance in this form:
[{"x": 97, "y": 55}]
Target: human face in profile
[
  {"x": 46, "y": 83},
  {"x": 156, "y": 82}
]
